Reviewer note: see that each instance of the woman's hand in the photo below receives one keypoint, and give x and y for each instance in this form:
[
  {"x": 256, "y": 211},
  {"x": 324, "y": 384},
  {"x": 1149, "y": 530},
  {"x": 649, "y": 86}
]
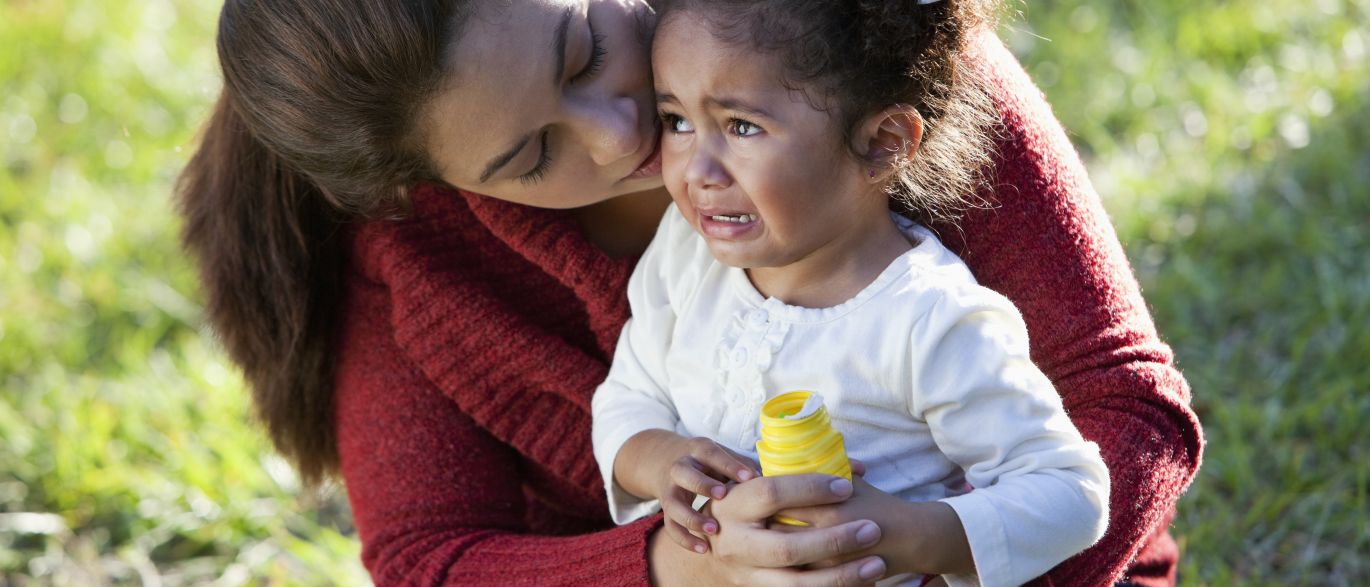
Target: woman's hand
[
  {"x": 746, "y": 552},
  {"x": 919, "y": 537}
]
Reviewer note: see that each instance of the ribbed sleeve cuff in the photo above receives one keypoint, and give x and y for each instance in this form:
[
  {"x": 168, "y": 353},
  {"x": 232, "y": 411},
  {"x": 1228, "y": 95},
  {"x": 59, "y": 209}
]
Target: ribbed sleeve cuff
[
  {"x": 625, "y": 507},
  {"x": 987, "y": 538}
]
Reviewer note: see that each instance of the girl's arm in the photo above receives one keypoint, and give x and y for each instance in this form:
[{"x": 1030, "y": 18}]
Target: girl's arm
[
  {"x": 644, "y": 463},
  {"x": 1048, "y": 246},
  {"x": 1040, "y": 491}
]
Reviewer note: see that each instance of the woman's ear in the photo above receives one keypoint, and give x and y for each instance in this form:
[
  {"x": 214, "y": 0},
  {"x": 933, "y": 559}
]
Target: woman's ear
[{"x": 889, "y": 135}]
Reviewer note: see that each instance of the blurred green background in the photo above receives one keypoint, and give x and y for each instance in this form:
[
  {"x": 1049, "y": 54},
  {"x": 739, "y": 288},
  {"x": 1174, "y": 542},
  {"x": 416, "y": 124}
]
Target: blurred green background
[{"x": 1230, "y": 141}]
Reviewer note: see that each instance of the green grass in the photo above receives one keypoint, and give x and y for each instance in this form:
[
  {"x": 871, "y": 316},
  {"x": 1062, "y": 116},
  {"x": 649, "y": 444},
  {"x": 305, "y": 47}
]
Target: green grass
[
  {"x": 1231, "y": 142},
  {"x": 127, "y": 451}
]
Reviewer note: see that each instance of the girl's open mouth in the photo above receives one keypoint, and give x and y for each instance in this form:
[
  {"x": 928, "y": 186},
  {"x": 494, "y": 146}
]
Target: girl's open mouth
[
  {"x": 734, "y": 218},
  {"x": 728, "y": 225}
]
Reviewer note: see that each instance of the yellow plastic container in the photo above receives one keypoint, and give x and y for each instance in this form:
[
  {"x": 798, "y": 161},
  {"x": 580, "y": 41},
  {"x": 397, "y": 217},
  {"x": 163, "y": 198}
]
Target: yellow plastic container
[{"x": 793, "y": 445}]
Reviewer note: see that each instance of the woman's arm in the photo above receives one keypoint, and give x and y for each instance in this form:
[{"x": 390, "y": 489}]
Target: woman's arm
[
  {"x": 437, "y": 499},
  {"x": 1048, "y": 246}
]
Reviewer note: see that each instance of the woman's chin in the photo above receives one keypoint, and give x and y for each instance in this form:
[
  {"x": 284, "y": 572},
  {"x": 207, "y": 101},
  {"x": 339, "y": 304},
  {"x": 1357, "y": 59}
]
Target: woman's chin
[{"x": 637, "y": 185}]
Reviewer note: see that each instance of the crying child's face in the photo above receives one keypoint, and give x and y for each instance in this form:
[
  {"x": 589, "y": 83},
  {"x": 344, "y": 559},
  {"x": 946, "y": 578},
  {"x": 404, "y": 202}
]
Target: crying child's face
[{"x": 762, "y": 174}]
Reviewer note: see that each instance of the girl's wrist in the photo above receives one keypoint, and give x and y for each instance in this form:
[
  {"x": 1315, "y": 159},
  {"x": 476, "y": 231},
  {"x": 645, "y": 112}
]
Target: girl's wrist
[
  {"x": 929, "y": 539},
  {"x": 644, "y": 459}
]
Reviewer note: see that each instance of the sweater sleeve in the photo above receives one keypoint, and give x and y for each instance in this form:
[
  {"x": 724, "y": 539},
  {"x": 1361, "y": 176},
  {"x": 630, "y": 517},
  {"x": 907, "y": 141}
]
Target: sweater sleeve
[
  {"x": 635, "y": 397},
  {"x": 1041, "y": 491},
  {"x": 437, "y": 500},
  {"x": 1048, "y": 246}
]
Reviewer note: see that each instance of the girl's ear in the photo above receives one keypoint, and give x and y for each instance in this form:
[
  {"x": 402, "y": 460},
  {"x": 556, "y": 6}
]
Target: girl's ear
[{"x": 889, "y": 135}]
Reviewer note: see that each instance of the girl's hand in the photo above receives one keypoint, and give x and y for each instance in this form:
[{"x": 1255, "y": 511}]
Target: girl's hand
[
  {"x": 919, "y": 537},
  {"x": 702, "y": 468},
  {"x": 746, "y": 552}
]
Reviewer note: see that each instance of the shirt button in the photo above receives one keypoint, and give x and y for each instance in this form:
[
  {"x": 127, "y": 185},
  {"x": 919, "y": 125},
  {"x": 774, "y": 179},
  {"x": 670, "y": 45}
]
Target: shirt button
[{"x": 739, "y": 357}]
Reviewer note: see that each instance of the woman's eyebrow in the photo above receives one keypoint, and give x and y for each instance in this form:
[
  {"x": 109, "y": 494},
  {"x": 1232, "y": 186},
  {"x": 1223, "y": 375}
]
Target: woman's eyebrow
[
  {"x": 504, "y": 158},
  {"x": 559, "y": 47},
  {"x": 559, "y": 37}
]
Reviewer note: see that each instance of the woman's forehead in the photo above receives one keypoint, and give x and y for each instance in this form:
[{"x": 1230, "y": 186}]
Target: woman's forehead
[
  {"x": 498, "y": 34},
  {"x": 501, "y": 75}
]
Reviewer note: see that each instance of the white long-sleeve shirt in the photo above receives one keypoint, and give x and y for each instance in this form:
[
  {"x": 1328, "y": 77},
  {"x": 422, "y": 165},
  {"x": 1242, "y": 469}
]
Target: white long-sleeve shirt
[{"x": 925, "y": 373}]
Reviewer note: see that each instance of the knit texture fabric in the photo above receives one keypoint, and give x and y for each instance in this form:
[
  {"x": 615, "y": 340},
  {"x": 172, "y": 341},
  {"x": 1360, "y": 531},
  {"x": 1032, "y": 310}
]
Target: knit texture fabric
[{"x": 475, "y": 332}]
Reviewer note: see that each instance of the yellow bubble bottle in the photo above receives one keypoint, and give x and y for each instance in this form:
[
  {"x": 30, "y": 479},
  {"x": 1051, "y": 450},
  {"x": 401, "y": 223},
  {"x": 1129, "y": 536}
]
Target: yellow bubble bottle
[{"x": 797, "y": 437}]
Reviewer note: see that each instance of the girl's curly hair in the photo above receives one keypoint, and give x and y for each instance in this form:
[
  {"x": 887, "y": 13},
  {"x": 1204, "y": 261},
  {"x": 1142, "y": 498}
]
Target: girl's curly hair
[{"x": 861, "y": 56}]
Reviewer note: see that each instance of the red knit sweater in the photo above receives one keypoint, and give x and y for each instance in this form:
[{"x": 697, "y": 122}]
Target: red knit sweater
[{"x": 476, "y": 331}]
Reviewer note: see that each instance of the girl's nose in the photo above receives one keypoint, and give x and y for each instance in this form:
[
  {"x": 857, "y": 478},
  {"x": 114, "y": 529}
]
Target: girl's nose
[
  {"x": 704, "y": 170},
  {"x": 611, "y": 129}
]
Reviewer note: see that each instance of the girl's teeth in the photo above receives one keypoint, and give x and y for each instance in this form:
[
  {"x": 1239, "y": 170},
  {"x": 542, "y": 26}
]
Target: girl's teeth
[{"x": 739, "y": 219}]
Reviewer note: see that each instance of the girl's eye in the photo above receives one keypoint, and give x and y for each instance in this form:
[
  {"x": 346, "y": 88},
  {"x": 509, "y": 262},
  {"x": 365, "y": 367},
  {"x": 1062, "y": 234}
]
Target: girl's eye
[
  {"x": 743, "y": 128},
  {"x": 592, "y": 66},
  {"x": 676, "y": 124}
]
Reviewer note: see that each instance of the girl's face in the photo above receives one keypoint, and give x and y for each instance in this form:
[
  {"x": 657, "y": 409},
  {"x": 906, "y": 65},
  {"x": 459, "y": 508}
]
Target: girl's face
[
  {"x": 548, "y": 103},
  {"x": 762, "y": 174}
]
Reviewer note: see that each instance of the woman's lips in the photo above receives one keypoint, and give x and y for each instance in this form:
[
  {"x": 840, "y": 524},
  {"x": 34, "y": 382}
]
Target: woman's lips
[{"x": 651, "y": 166}]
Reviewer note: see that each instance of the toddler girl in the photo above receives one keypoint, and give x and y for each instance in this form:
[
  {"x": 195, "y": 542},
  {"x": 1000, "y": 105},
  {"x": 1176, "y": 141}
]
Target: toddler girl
[{"x": 789, "y": 128}]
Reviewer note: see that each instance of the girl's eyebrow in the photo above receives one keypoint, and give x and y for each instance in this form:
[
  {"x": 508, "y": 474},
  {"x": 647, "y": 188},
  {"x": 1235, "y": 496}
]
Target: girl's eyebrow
[
  {"x": 725, "y": 103},
  {"x": 730, "y": 103}
]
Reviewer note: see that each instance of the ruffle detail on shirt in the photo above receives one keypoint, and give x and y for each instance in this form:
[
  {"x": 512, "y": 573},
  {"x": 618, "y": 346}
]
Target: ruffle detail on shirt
[{"x": 746, "y": 351}]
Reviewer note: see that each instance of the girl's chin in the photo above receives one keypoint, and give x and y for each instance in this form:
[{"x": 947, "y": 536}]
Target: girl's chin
[{"x": 733, "y": 256}]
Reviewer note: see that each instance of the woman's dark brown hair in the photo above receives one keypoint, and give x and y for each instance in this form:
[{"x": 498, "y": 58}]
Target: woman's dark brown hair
[{"x": 315, "y": 126}]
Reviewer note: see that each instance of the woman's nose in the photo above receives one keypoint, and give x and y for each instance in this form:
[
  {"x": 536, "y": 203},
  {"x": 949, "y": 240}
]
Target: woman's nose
[
  {"x": 611, "y": 129},
  {"x": 704, "y": 170}
]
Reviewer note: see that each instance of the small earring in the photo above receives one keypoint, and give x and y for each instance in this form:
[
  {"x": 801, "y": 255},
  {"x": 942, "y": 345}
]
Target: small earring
[{"x": 872, "y": 173}]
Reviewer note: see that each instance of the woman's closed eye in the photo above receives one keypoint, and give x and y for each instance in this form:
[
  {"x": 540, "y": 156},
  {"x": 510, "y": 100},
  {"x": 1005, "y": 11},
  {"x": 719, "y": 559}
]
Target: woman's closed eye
[
  {"x": 592, "y": 66},
  {"x": 596, "y": 61},
  {"x": 535, "y": 174}
]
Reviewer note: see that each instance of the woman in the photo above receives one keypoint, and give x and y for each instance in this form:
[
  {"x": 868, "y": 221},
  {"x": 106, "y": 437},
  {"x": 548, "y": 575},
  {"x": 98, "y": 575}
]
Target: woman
[{"x": 442, "y": 359}]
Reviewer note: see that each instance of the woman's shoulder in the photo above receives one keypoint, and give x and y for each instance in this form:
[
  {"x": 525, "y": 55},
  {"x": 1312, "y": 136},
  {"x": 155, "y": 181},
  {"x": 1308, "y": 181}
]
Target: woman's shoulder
[{"x": 436, "y": 223}]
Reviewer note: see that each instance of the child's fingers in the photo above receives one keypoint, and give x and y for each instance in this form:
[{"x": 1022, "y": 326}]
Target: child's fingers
[
  {"x": 747, "y": 462},
  {"x": 717, "y": 459},
  {"x": 677, "y": 508},
  {"x": 686, "y": 474},
  {"x": 683, "y": 524},
  {"x": 683, "y": 538}
]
